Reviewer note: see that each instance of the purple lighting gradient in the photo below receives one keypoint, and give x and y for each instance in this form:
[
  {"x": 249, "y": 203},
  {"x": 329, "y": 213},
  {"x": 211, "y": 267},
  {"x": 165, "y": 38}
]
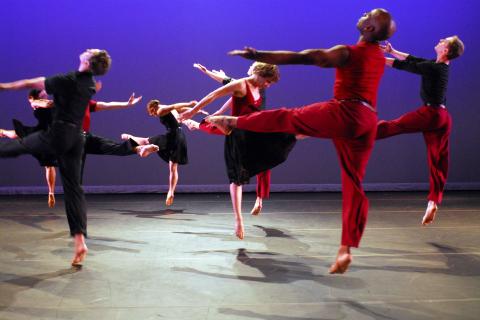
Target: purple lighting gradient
[{"x": 153, "y": 45}]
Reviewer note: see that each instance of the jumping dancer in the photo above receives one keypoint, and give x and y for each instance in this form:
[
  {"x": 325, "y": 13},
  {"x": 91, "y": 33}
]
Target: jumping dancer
[
  {"x": 42, "y": 111},
  {"x": 432, "y": 118},
  {"x": 64, "y": 139},
  {"x": 263, "y": 178},
  {"x": 104, "y": 146},
  {"x": 349, "y": 119},
  {"x": 172, "y": 146},
  {"x": 248, "y": 153}
]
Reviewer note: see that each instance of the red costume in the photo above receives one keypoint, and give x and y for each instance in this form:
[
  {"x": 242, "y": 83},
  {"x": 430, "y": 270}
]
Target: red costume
[{"x": 349, "y": 119}]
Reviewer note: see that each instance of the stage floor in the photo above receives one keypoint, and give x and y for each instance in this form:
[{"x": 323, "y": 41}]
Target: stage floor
[{"x": 149, "y": 262}]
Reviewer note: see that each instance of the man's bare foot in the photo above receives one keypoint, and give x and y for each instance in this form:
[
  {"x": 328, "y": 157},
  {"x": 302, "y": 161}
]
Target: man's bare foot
[
  {"x": 146, "y": 150},
  {"x": 169, "y": 200},
  {"x": 343, "y": 260},
  {"x": 239, "y": 230},
  {"x": 125, "y": 136},
  {"x": 8, "y": 134},
  {"x": 80, "y": 250},
  {"x": 257, "y": 208},
  {"x": 224, "y": 123},
  {"x": 51, "y": 200},
  {"x": 191, "y": 124},
  {"x": 430, "y": 213}
]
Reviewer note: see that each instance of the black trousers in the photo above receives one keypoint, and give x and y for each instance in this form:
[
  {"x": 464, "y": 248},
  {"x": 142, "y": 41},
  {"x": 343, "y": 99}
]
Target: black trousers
[
  {"x": 64, "y": 141},
  {"x": 104, "y": 146}
]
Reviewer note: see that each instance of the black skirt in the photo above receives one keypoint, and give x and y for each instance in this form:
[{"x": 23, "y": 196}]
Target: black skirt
[
  {"x": 249, "y": 153},
  {"x": 172, "y": 146}
]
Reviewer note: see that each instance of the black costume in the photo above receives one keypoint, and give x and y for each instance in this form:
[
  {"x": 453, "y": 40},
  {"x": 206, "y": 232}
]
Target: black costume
[
  {"x": 173, "y": 144},
  {"x": 64, "y": 139},
  {"x": 44, "y": 117}
]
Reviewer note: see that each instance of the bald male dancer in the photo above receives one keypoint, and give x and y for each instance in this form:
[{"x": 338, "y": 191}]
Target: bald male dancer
[{"x": 349, "y": 119}]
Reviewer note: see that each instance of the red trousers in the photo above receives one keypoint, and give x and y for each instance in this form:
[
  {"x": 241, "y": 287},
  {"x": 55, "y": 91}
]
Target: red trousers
[
  {"x": 352, "y": 127},
  {"x": 263, "y": 178},
  {"x": 435, "y": 123}
]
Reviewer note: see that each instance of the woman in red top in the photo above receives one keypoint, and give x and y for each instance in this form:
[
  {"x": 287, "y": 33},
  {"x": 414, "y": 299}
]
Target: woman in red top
[{"x": 247, "y": 153}]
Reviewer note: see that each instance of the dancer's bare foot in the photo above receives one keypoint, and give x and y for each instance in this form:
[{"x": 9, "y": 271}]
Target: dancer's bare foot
[
  {"x": 51, "y": 200},
  {"x": 8, "y": 134},
  {"x": 169, "y": 200},
  {"x": 125, "y": 136},
  {"x": 301, "y": 137},
  {"x": 430, "y": 213},
  {"x": 191, "y": 125},
  {"x": 80, "y": 250},
  {"x": 343, "y": 260},
  {"x": 224, "y": 123},
  {"x": 146, "y": 150},
  {"x": 257, "y": 208},
  {"x": 239, "y": 230}
]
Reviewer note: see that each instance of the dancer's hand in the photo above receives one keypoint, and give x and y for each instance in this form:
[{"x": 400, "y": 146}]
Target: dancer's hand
[
  {"x": 219, "y": 73},
  {"x": 200, "y": 67},
  {"x": 204, "y": 112},
  {"x": 247, "y": 52},
  {"x": 133, "y": 100},
  {"x": 186, "y": 115},
  {"x": 98, "y": 85},
  {"x": 386, "y": 47}
]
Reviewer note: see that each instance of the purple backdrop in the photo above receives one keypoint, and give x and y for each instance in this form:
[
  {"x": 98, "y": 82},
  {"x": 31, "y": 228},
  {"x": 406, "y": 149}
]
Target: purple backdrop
[{"x": 154, "y": 44}]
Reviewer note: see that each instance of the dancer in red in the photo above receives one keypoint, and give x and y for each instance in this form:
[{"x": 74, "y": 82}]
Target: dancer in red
[
  {"x": 247, "y": 153},
  {"x": 263, "y": 178},
  {"x": 349, "y": 119},
  {"x": 432, "y": 118}
]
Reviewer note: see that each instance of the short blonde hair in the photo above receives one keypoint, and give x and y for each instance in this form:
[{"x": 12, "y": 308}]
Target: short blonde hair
[
  {"x": 455, "y": 48},
  {"x": 267, "y": 71},
  {"x": 152, "y": 107}
]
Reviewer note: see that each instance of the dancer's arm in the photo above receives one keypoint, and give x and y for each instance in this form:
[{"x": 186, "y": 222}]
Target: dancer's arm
[
  {"x": 234, "y": 87},
  {"x": 227, "y": 105},
  {"x": 34, "y": 83},
  {"x": 334, "y": 57},
  {"x": 179, "y": 107},
  {"x": 403, "y": 60},
  {"x": 113, "y": 105},
  {"x": 217, "y": 75},
  {"x": 388, "y": 48}
]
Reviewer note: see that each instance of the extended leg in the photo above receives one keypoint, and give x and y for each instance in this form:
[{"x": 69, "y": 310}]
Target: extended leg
[
  {"x": 50, "y": 175},
  {"x": 236, "y": 196},
  {"x": 263, "y": 191},
  {"x": 172, "y": 182}
]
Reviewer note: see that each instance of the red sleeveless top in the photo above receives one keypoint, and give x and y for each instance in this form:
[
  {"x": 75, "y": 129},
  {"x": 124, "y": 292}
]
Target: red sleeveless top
[
  {"x": 246, "y": 104},
  {"x": 360, "y": 77}
]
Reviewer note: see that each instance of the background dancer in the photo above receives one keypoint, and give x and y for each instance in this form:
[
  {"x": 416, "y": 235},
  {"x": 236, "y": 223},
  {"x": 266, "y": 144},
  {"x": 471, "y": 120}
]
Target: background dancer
[
  {"x": 349, "y": 119},
  {"x": 172, "y": 146},
  {"x": 64, "y": 139},
  {"x": 104, "y": 146},
  {"x": 42, "y": 111},
  {"x": 432, "y": 118},
  {"x": 93, "y": 144},
  {"x": 248, "y": 153}
]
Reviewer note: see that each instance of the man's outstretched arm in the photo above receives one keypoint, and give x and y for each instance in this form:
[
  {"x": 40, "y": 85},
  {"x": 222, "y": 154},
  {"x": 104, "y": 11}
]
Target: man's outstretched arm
[
  {"x": 326, "y": 58},
  {"x": 34, "y": 83}
]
